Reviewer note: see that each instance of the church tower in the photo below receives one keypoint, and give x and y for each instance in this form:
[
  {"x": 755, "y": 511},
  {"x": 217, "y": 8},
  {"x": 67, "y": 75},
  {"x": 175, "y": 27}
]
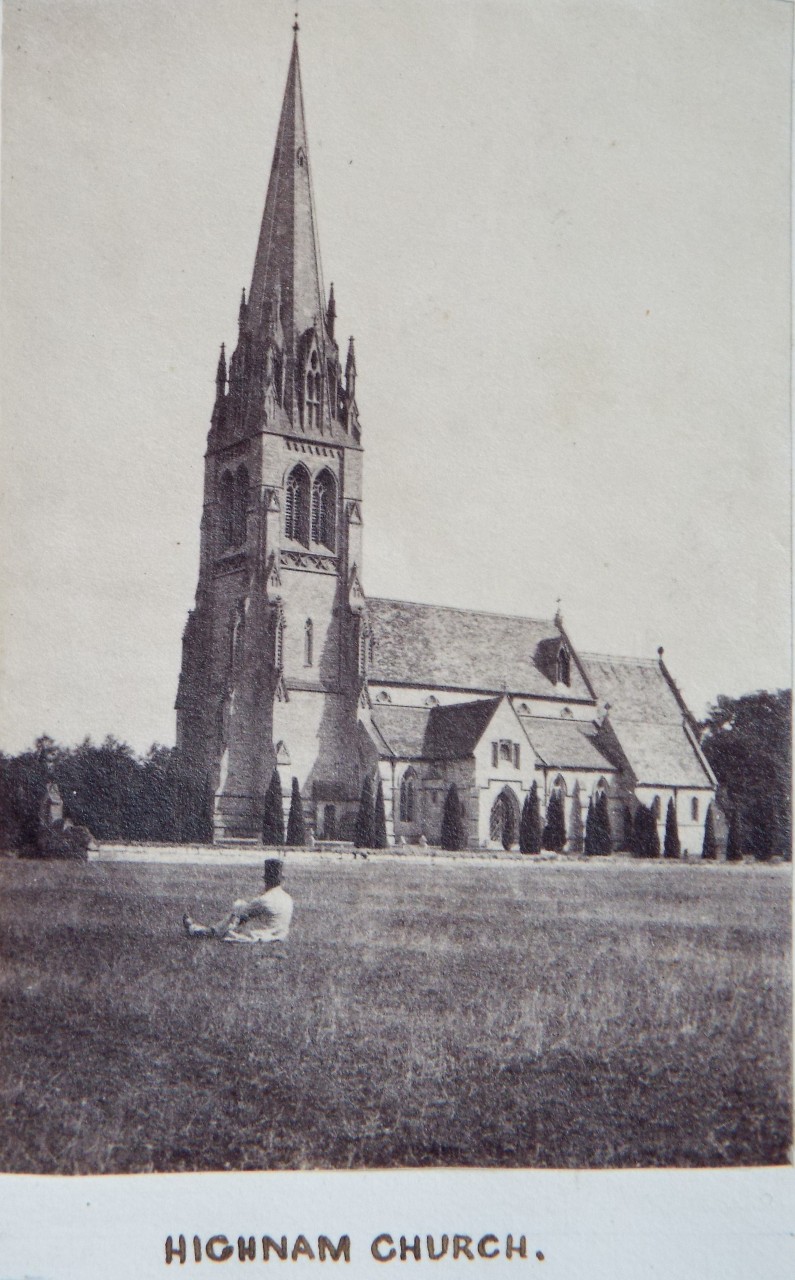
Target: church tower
[{"x": 272, "y": 667}]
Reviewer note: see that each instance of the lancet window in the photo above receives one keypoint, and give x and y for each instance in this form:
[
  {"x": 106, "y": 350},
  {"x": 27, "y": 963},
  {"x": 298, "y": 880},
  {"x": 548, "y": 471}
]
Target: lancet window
[
  {"x": 308, "y": 642},
  {"x": 563, "y": 674},
  {"x": 312, "y": 393},
  {"x": 296, "y": 505},
  {"x": 408, "y": 796},
  {"x": 324, "y": 510}
]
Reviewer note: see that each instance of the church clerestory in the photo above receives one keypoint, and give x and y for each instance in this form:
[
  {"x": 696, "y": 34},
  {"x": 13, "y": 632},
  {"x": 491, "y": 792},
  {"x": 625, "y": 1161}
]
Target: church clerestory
[{"x": 288, "y": 665}]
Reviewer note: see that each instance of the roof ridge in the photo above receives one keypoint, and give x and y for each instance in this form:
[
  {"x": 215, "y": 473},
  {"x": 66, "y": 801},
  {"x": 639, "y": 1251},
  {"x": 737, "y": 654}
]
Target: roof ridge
[
  {"x": 455, "y": 608},
  {"x": 619, "y": 657}
]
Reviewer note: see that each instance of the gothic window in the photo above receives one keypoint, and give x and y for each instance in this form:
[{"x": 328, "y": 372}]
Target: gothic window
[
  {"x": 308, "y": 642},
  {"x": 333, "y": 393},
  {"x": 559, "y": 785},
  {"x": 600, "y": 788},
  {"x": 656, "y": 807},
  {"x": 431, "y": 700},
  {"x": 408, "y": 796},
  {"x": 312, "y": 393},
  {"x": 241, "y": 506},
  {"x": 324, "y": 510},
  {"x": 694, "y": 809},
  {"x": 278, "y": 645},
  {"x": 226, "y": 503},
  {"x": 563, "y": 675},
  {"x": 296, "y": 505}
]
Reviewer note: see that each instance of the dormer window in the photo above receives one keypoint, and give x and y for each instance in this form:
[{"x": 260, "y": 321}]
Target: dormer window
[{"x": 563, "y": 673}]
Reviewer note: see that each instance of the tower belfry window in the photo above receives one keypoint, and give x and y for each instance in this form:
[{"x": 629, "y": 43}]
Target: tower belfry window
[
  {"x": 312, "y": 396},
  {"x": 324, "y": 510},
  {"x": 296, "y": 505}
]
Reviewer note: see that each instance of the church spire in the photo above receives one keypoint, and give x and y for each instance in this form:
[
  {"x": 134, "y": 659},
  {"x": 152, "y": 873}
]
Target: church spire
[{"x": 287, "y": 258}]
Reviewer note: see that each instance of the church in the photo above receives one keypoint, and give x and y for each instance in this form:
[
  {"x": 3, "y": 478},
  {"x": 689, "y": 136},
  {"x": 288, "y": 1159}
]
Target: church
[{"x": 288, "y": 664}]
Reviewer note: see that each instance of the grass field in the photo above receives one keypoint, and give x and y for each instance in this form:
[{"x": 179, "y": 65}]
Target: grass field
[{"x": 624, "y": 1014}]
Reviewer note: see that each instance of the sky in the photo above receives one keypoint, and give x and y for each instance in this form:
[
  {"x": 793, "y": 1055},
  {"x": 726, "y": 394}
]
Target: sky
[{"x": 560, "y": 234}]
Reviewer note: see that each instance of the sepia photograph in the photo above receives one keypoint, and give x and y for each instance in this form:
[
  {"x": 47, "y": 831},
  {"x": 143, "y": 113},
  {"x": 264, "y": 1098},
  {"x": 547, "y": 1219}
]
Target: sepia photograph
[{"x": 395, "y": 735}]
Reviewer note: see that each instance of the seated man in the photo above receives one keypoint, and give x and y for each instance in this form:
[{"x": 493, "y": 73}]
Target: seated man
[{"x": 265, "y": 918}]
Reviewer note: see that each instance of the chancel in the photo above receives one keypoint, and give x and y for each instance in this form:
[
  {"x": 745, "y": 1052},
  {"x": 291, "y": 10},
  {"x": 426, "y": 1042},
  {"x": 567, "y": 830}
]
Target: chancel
[{"x": 288, "y": 664}]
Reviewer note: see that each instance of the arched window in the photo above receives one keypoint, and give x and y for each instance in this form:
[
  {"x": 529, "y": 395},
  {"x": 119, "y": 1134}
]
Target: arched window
[
  {"x": 600, "y": 788},
  {"x": 296, "y": 505},
  {"x": 559, "y": 785},
  {"x": 308, "y": 642},
  {"x": 323, "y": 510},
  {"x": 241, "y": 506},
  {"x": 566, "y": 714},
  {"x": 408, "y": 796},
  {"x": 656, "y": 808},
  {"x": 431, "y": 700},
  {"x": 563, "y": 674},
  {"x": 694, "y": 809},
  {"x": 226, "y": 503},
  {"x": 312, "y": 393}
]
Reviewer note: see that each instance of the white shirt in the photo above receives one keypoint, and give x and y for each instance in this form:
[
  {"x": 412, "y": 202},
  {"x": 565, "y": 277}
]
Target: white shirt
[{"x": 267, "y": 917}]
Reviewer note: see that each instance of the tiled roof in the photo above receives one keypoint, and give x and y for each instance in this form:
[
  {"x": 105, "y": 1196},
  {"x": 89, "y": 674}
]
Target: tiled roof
[
  {"x": 648, "y": 721},
  {"x": 434, "y": 733},
  {"x": 431, "y": 645},
  {"x": 566, "y": 744}
]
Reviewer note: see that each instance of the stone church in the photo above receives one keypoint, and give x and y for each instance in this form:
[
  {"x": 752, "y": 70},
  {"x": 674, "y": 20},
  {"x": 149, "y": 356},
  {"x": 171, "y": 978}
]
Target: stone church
[{"x": 287, "y": 663}]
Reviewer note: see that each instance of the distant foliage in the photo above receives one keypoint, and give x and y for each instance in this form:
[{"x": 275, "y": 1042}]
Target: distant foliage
[
  {"x": 555, "y": 829},
  {"x": 576, "y": 830},
  {"x": 273, "y": 817},
  {"x": 598, "y": 838},
  {"x": 735, "y": 843},
  {"x": 747, "y": 741},
  {"x": 379, "y": 819},
  {"x": 530, "y": 822},
  {"x": 671, "y": 848},
  {"x": 709, "y": 850},
  {"x": 453, "y": 833},
  {"x": 363, "y": 833},
  {"x": 296, "y": 831}
]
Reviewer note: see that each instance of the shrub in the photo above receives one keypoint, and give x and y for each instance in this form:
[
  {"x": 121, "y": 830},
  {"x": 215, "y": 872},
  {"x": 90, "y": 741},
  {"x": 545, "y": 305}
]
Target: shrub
[
  {"x": 555, "y": 829},
  {"x": 672, "y": 847},
  {"x": 296, "y": 831},
  {"x": 735, "y": 841},
  {"x": 379, "y": 819},
  {"x": 709, "y": 849},
  {"x": 363, "y": 833},
  {"x": 453, "y": 834},
  {"x": 273, "y": 818},
  {"x": 530, "y": 824}
]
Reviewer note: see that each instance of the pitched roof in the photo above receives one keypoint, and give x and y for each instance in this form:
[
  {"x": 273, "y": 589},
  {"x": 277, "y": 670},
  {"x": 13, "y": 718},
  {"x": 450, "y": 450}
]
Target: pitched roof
[
  {"x": 434, "y": 733},
  {"x": 433, "y": 645},
  {"x": 566, "y": 744},
  {"x": 648, "y": 721}
]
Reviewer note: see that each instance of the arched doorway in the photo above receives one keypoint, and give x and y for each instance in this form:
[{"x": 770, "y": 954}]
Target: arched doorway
[{"x": 504, "y": 820}]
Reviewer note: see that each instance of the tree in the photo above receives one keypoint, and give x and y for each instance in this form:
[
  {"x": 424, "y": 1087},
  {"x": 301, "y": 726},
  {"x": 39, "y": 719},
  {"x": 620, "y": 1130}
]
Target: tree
[
  {"x": 576, "y": 828},
  {"x": 736, "y": 840},
  {"x": 709, "y": 850},
  {"x": 530, "y": 824},
  {"x": 671, "y": 847},
  {"x": 363, "y": 833},
  {"x": 453, "y": 835},
  {"x": 604, "y": 835},
  {"x": 646, "y": 843},
  {"x": 296, "y": 831},
  {"x": 379, "y": 819},
  {"x": 628, "y": 841},
  {"x": 273, "y": 817},
  {"x": 653, "y": 838},
  {"x": 590, "y": 834},
  {"x": 555, "y": 829},
  {"x": 748, "y": 744}
]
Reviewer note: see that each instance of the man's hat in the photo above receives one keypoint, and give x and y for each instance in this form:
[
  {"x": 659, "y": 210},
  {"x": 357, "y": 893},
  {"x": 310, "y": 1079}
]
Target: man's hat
[{"x": 273, "y": 870}]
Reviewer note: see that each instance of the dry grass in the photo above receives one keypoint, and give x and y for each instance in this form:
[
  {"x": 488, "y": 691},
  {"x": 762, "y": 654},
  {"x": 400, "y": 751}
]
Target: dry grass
[{"x": 617, "y": 1015}]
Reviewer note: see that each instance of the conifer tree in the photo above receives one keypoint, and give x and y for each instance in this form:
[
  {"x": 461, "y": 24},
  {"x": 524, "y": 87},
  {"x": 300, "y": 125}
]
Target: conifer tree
[
  {"x": 671, "y": 847},
  {"x": 453, "y": 835},
  {"x": 590, "y": 841},
  {"x": 603, "y": 834},
  {"x": 735, "y": 841},
  {"x": 273, "y": 818},
  {"x": 363, "y": 834},
  {"x": 628, "y": 842},
  {"x": 379, "y": 819},
  {"x": 709, "y": 849},
  {"x": 296, "y": 831},
  {"x": 530, "y": 825},
  {"x": 555, "y": 829},
  {"x": 654, "y": 836},
  {"x": 575, "y": 827}
]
